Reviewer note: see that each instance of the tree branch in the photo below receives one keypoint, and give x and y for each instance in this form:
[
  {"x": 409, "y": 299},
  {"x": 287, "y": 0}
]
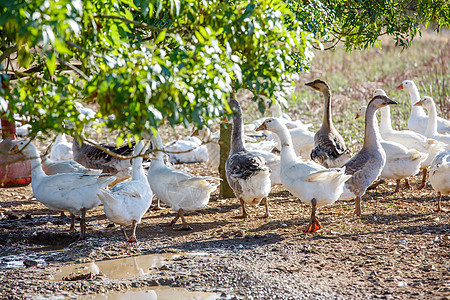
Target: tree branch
[
  {"x": 38, "y": 69},
  {"x": 8, "y": 52},
  {"x": 135, "y": 23}
]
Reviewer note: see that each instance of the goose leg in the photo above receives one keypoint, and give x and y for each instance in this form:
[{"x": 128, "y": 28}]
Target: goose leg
[
  {"x": 83, "y": 224},
  {"x": 62, "y": 215},
  {"x": 185, "y": 226},
  {"x": 72, "y": 223},
  {"x": 124, "y": 232},
  {"x": 132, "y": 238},
  {"x": 397, "y": 188},
  {"x": 157, "y": 206},
  {"x": 244, "y": 211},
  {"x": 266, "y": 204},
  {"x": 407, "y": 185},
  {"x": 439, "y": 208},
  {"x": 314, "y": 223},
  {"x": 179, "y": 212},
  {"x": 424, "y": 179},
  {"x": 358, "y": 206}
]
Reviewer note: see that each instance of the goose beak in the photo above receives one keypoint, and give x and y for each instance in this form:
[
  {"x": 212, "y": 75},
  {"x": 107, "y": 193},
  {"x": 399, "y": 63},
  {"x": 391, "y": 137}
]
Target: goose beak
[
  {"x": 400, "y": 87},
  {"x": 390, "y": 101},
  {"x": 418, "y": 103},
  {"x": 195, "y": 133},
  {"x": 15, "y": 149},
  {"x": 262, "y": 127},
  {"x": 309, "y": 83},
  {"x": 357, "y": 116}
]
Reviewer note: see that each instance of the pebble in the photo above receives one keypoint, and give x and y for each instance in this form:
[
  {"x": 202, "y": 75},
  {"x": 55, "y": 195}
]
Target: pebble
[{"x": 402, "y": 283}]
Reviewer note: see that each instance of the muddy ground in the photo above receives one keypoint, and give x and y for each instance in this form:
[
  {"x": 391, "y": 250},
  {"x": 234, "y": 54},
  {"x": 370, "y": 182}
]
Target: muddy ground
[{"x": 399, "y": 249}]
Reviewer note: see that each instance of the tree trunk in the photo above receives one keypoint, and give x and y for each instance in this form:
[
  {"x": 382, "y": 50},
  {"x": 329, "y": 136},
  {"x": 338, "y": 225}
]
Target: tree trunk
[{"x": 224, "y": 143}]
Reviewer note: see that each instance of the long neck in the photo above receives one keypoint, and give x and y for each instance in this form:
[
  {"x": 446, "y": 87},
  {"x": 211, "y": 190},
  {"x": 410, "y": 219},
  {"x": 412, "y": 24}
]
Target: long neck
[
  {"x": 287, "y": 149},
  {"x": 386, "y": 125},
  {"x": 327, "y": 109},
  {"x": 276, "y": 112},
  {"x": 371, "y": 133},
  {"x": 415, "y": 97},
  {"x": 137, "y": 169},
  {"x": 237, "y": 134},
  {"x": 432, "y": 120},
  {"x": 157, "y": 144},
  {"x": 35, "y": 161}
]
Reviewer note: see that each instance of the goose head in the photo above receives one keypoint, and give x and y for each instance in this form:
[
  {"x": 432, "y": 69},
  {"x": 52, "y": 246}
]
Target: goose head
[
  {"x": 271, "y": 124},
  {"x": 406, "y": 85},
  {"x": 318, "y": 85},
  {"x": 361, "y": 112},
  {"x": 425, "y": 102},
  {"x": 24, "y": 146},
  {"x": 379, "y": 92},
  {"x": 381, "y": 101}
]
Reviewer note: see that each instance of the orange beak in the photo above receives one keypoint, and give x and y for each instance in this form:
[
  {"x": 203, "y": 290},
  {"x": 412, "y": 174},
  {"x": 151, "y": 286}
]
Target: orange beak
[
  {"x": 418, "y": 103},
  {"x": 357, "y": 116},
  {"x": 262, "y": 127},
  {"x": 400, "y": 87},
  {"x": 15, "y": 149}
]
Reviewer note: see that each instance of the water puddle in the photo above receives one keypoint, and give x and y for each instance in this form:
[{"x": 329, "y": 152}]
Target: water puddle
[
  {"x": 155, "y": 293},
  {"x": 122, "y": 268},
  {"x": 37, "y": 257}
]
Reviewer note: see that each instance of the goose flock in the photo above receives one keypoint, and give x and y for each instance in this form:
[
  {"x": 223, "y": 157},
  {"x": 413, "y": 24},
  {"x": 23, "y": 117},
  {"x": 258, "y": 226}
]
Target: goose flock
[{"x": 317, "y": 168}]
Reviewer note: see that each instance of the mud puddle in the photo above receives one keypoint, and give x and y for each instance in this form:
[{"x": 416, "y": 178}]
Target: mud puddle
[
  {"x": 156, "y": 293},
  {"x": 122, "y": 268}
]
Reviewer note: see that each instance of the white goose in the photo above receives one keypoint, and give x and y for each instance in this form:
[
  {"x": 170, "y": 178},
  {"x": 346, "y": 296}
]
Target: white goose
[
  {"x": 178, "y": 189},
  {"x": 401, "y": 163},
  {"x": 302, "y": 140},
  {"x": 189, "y": 150},
  {"x": 440, "y": 174},
  {"x": 61, "y": 149},
  {"x": 307, "y": 180},
  {"x": 418, "y": 119},
  {"x": 128, "y": 201},
  {"x": 431, "y": 131},
  {"x": 76, "y": 193},
  {"x": 368, "y": 163},
  {"x": 51, "y": 167},
  {"x": 409, "y": 139}
]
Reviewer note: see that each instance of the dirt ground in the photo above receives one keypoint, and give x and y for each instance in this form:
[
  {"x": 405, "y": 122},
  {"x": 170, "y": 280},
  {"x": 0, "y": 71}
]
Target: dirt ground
[{"x": 399, "y": 249}]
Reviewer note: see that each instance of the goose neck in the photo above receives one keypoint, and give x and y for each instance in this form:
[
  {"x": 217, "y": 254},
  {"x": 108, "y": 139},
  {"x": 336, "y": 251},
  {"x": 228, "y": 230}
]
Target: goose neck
[
  {"x": 416, "y": 111},
  {"x": 287, "y": 150},
  {"x": 432, "y": 120},
  {"x": 327, "y": 108},
  {"x": 385, "y": 125},
  {"x": 237, "y": 134},
  {"x": 372, "y": 136}
]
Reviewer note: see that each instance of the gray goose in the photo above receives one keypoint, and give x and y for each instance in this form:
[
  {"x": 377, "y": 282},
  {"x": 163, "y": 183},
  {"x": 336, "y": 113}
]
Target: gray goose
[
  {"x": 247, "y": 172},
  {"x": 368, "y": 163},
  {"x": 329, "y": 147}
]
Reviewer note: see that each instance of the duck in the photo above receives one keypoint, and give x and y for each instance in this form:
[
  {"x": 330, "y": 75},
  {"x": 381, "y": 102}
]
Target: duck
[
  {"x": 73, "y": 192},
  {"x": 247, "y": 172},
  {"x": 61, "y": 149},
  {"x": 329, "y": 146},
  {"x": 128, "y": 201},
  {"x": 431, "y": 131},
  {"x": 368, "y": 163},
  {"x": 52, "y": 167},
  {"x": 178, "y": 189},
  {"x": 263, "y": 148},
  {"x": 401, "y": 162},
  {"x": 94, "y": 158},
  {"x": 439, "y": 176},
  {"x": 410, "y": 139},
  {"x": 189, "y": 150},
  {"x": 307, "y": 180},
  {"x": 418, "y": 119}
]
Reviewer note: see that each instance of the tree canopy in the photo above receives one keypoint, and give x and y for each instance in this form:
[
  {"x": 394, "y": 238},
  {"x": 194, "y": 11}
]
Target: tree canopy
[{"x": 146, "y": 61}]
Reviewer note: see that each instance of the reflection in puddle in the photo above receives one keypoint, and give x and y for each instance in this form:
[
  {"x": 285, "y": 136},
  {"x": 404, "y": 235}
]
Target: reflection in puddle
[
  {"x": 121, "y": 268},
  {"x": 39, "y": 256},
  {"x": 156, "y": 293}
]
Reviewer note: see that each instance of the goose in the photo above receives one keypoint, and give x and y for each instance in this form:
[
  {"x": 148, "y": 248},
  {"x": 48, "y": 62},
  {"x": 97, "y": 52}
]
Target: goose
[
  {"x": 302, "y": 140},
  {"x": 440, "y": 174},
  {"x": 368, "y": 163},
  {"x": 431, "y": 131},
  {"x": 409, "y": 139},
  {"x": 307, "y": 180},
  {"x": 61, "y": 149},
  {"x": 73, "y": 192},
  {"x": 284, "y": 117},
  {"x": 418, "y": 119},
  {"x": 329, "y": 147},
  {"x": 178, "y": 189},
  {"x": 401, "y": 162},
  {"x": 93, "y": 158},
  {"x": 189, "y": 150},
  {"x": 247, "y": 172},
  {"x": 51, "y": 167},
  {"x": 128, "y": 201},
  {"x": 212, "y": 145}
]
